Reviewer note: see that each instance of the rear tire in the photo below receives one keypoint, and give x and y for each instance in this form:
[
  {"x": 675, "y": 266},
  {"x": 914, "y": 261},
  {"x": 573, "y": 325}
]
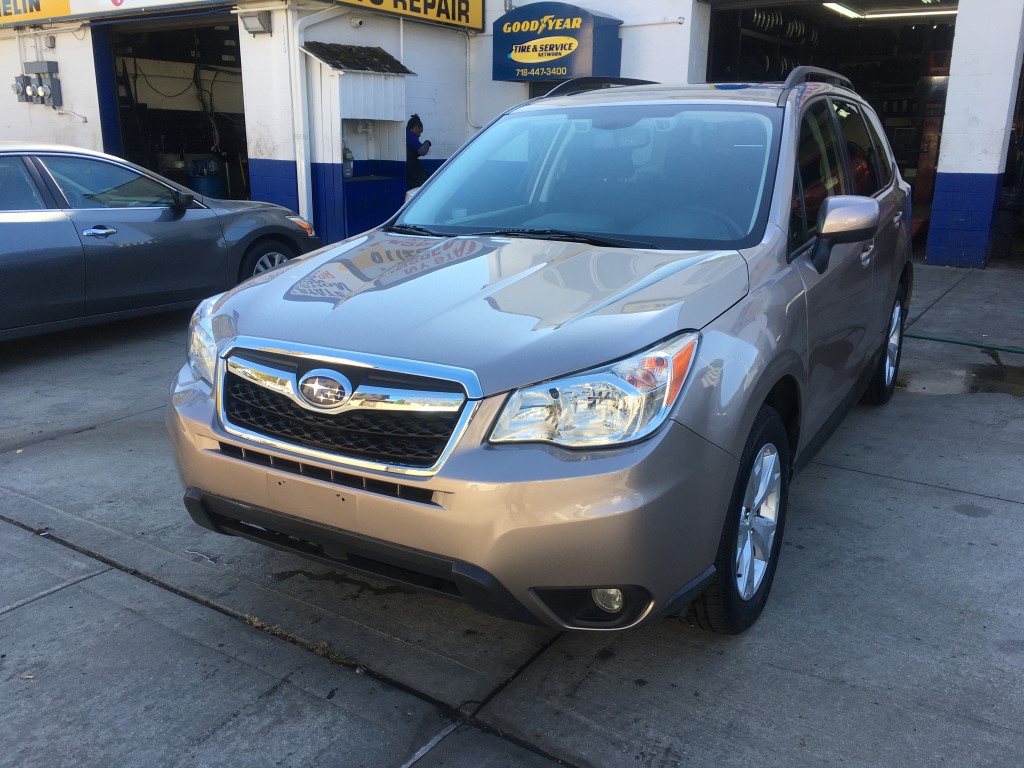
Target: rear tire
[
  {"x": 748, "y": 551},
  {"x": 262, "y": 256},
  {"x": 883, "y": 383}
]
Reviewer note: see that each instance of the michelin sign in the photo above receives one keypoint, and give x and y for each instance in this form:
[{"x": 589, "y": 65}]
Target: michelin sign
[{"x": 555, "y": 41}]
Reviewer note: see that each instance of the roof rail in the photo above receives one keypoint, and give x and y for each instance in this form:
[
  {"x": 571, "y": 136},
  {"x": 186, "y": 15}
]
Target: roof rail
[
  {"x": 581, "y": 84},
  {"x": 804, "y": 74}
]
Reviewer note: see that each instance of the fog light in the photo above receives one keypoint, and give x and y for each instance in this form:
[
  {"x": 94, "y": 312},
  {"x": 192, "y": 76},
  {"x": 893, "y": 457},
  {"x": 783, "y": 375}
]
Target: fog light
[{"x": 608, "y": 600}]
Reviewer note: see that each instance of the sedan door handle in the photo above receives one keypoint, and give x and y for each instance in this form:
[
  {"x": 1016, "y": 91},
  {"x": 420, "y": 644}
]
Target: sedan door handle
[
  {"x": 867, "y": 253},
  {"x": 100, "y": 231},
  {"x": 897, "y": 218}
]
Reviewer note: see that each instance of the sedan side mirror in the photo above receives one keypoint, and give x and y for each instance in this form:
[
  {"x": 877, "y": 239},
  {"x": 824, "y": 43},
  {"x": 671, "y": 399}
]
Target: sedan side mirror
[
  {"x": 182, "y": 200},
  {"x": 843, "y": 219}
]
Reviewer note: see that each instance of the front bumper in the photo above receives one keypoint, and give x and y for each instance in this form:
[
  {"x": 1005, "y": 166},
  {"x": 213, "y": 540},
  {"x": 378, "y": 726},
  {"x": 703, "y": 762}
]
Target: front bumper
[{"x": 517, "y": 530}]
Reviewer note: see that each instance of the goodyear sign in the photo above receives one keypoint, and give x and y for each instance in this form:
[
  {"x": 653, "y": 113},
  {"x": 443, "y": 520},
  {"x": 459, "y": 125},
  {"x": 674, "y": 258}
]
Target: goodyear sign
[
  {"x": 555, "y": 41},
  {"x": 466, "y": 14}
]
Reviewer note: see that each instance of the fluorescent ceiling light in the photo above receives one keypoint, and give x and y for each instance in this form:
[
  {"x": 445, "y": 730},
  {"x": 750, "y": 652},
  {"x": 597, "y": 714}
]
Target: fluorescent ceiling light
[
  {"x": 842, "y": 9},
  {"x": 852, "y": 14},
  {"x": 904, "y": 14}
]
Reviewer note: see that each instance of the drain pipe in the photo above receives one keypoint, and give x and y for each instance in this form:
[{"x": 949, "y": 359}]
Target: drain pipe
[{"x": 300, "y": 102}]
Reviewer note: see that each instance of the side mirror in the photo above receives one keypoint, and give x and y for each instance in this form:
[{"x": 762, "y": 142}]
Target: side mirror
[
  {"x": 182, "y": 200},
  {"x": 843, "y": 219}
]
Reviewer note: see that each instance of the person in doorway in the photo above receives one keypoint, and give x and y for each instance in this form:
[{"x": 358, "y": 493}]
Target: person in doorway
[{"x": 415, "y": 173}]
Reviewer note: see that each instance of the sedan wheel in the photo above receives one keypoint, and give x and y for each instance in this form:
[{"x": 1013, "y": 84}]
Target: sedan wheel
[
  {"x": 269, "y": 261},
  {"x": 748, "y": 551},
  {"x": 263, "y": 256}
]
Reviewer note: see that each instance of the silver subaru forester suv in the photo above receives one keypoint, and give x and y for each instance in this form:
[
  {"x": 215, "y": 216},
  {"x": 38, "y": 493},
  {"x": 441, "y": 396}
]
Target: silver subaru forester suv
[{"x": 570, "y": 380}]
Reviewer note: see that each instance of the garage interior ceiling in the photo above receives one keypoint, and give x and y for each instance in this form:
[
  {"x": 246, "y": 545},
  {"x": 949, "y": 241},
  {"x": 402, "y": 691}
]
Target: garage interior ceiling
[{"x": 865, "y": 8}]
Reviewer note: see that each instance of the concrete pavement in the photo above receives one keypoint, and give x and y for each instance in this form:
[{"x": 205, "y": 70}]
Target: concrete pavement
[{"x": 129, "y": 636}]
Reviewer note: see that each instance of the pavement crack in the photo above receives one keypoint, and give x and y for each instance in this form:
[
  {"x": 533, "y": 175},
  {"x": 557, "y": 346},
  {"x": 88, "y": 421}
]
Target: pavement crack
[
  {"x": 945, "y": 293},
  {"x": 52, "y": 590},
  {"x": 50, "y": 437},
  {"x": 473, "y": 712},
  {"x": 203, "y": 555},
  {"x": 430, "y": 745},
  {"x": 921, "y": 483}
]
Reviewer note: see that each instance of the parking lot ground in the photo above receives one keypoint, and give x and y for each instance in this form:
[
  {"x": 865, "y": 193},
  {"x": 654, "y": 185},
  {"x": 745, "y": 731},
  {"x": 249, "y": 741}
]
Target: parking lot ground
[{"x": 894, "y": 636}]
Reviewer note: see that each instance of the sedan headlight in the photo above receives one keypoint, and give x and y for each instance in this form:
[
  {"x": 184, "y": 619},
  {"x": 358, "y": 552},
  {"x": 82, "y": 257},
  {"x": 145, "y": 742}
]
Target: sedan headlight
[
  {"x": 302, "y": 224},
  {"x": 202, "y": 343},
  {"x": 612, "y": 405}
]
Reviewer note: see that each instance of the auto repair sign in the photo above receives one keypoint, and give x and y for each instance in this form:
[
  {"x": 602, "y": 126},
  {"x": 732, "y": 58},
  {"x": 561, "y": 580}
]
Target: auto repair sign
[{"x": 555, "y": 41}]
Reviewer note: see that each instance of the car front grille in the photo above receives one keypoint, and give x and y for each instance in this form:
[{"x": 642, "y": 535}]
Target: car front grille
[{"x": 382, "y": 435}]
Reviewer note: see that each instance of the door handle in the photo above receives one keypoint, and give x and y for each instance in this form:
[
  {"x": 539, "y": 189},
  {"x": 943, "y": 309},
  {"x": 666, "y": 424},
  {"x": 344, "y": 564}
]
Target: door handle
[
  {"x": 867, "y": 253},
  {"x": 100, "y": 231},
  {"x": 897, "y": 218}
]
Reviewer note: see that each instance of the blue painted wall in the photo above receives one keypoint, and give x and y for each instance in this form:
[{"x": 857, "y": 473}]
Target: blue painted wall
[
  {"x": 345, "y": 207},
  {"x": 341, "y": 207},
  {"x": 963, "y": 218},
  {"x": 274, "y": 181}
]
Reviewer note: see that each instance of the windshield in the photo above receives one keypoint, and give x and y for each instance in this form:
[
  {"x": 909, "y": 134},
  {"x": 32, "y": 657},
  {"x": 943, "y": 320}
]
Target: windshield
[{"x": 645, "y": 175}]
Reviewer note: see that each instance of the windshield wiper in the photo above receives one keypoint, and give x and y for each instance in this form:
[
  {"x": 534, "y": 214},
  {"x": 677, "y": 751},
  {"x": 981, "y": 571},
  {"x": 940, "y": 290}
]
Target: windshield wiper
[
  {"x": 568, "y": 236},
  {"x": 413, "y": 229}
]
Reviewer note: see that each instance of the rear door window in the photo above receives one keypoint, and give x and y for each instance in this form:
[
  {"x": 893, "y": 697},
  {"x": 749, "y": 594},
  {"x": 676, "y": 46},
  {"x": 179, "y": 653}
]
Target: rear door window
[
  {"x": 880, "y": 148},
  {"x": 864, "y": 178},
  {"x": 17, "y": 189}
]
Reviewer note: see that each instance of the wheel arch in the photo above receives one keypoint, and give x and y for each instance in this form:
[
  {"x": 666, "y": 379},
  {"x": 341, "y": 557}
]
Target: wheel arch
[
  {"x": 907, "y": 281},
  {"x": 784, "y": 398}
]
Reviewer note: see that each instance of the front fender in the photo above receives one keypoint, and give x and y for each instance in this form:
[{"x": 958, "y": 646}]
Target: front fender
[{"x": 742, "y": 356}]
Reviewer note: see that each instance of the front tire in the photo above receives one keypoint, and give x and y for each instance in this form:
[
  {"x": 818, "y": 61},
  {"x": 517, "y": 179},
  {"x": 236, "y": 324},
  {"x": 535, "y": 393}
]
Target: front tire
[
  {"x": 748, "y": 551},
  {"x": 883, "y": 383},
  {"x": 262, "y": 256}
]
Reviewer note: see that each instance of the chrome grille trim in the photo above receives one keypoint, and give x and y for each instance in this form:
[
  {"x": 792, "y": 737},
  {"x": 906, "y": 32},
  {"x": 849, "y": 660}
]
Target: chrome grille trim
[
  {"x": 367, "y": 397},
  {"x": 233, "y": 359}
]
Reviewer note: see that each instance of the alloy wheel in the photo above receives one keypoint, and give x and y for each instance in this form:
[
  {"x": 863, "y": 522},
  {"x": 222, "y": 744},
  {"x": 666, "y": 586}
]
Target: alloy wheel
[
  {"x": 269, "y": 260},
  {"x": 892, "y": 349},
  {"x": 758, "y": 520}
]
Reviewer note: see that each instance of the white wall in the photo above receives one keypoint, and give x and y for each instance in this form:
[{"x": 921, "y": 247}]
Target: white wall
[
  {"x": 661, "y": 39},
  {"x": 266, "y": 90},
  {"x": 437, "y": 93},
  {"x": 77, "y": 122},
  {"x": 984, "y": 71}
]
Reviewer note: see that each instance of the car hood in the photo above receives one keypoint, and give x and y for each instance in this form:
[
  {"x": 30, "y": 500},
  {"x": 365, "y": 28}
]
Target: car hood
[
  {"x": 514, "y": 311},
  {"x": 244, "y": 206}
]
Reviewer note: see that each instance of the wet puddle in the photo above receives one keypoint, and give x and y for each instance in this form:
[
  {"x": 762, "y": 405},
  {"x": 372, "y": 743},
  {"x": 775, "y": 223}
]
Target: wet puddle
[{"x": 965, "y": 380}]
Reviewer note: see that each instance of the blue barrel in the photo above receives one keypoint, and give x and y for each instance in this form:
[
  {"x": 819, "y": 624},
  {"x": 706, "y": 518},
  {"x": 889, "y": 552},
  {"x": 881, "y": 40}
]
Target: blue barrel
[{"x": 208, "y": 186}]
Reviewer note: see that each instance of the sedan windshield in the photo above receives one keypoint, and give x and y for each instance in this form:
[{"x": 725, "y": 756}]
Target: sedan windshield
[{"x": 657, "y": 175}]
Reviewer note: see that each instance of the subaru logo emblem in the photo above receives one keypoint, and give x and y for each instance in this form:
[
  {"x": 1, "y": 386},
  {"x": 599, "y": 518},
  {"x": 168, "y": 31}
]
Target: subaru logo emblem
[{"x": 326, "y": 390}]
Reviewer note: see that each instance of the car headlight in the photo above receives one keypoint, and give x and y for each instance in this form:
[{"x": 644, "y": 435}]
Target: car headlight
[
  {"x": 202, "y": 342},
  {"x": 303, "y": 224},
  {"x": 612, "y": 405}
]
